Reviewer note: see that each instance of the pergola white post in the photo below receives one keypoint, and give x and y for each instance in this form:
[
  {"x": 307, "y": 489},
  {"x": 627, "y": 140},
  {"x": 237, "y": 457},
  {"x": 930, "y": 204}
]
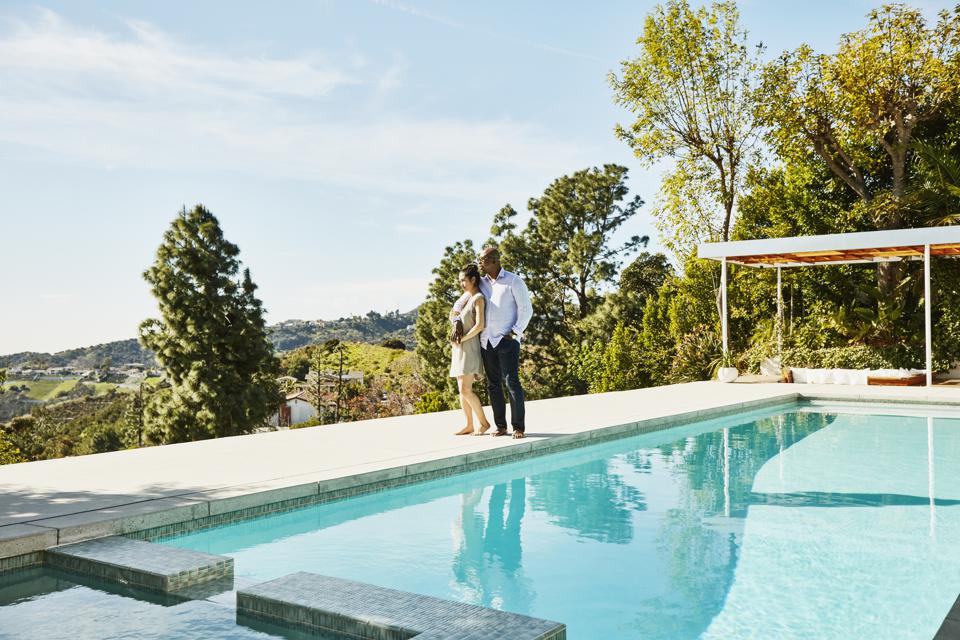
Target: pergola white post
[
  {"x": 927, "y": 314},
  {"x": 779, "y": 319},
  {"x": 723, "y": 301}
]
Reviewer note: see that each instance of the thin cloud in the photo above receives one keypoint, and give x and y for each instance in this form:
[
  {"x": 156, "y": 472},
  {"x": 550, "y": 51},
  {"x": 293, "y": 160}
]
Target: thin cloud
[
  {"x": 432, "y": 17},
  {"x": 148, "y": 61},
  {"x": 143, "y": 100}
]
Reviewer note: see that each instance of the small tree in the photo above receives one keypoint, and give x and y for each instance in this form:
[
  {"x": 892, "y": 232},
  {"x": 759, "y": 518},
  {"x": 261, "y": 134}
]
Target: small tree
[
  {"x": 133, "y": 419},
  {"x": 333, "y": 354},
  {"x": 3, "y": 378},
  {"x": 211, "y": 338}
]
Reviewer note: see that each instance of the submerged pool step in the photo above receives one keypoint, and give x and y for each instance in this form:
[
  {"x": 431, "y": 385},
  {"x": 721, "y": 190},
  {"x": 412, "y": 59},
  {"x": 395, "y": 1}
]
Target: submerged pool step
[
  {"x": 358, "y": 610},
  {"x": 141, "y": 564}
]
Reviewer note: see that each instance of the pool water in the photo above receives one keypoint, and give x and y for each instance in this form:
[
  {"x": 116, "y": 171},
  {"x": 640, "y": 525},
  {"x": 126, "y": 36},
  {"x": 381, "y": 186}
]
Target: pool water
[
  {"x": 777, "y": 525},
  {"x": 791, "y": 523},
  {"x": 47, "y": 604}
]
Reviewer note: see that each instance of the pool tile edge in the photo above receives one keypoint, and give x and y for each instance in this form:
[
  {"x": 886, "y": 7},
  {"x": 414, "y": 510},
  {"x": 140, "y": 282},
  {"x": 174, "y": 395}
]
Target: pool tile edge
[{"x": 322, "y": 603}]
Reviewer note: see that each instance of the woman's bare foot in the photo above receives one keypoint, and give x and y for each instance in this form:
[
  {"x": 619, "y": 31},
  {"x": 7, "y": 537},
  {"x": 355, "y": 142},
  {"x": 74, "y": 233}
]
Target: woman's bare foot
[
  {"x": 518, "y": 435},
  {"x": 465, "y": 431},
  {"x": 483, "y": 429}
]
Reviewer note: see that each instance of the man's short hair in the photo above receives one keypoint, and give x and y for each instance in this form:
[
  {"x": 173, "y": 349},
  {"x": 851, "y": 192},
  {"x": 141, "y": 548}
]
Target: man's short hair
[{"x": 490, "y": 250}]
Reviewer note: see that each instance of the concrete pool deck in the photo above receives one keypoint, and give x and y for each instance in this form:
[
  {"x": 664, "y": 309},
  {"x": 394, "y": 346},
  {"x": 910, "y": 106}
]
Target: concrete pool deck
[{"x": 51, "y": 502}]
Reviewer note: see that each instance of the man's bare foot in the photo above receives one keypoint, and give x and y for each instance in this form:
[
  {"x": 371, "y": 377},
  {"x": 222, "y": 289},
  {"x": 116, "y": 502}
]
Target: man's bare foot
[
  {"x": 464, "y": 432},
  {"x": 483, "y": 429},
  {"x": 518, "y": 435},
  {"x": 499, "y": 433}
]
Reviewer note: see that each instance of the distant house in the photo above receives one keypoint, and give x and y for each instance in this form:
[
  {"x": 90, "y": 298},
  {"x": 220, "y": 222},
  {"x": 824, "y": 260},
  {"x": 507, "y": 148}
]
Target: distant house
[
  {"x": 297, "y": 407},
  {"x": 328, "y": 379}
]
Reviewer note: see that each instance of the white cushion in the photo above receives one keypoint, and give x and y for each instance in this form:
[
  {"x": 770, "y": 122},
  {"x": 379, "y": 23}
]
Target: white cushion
[
  {"x": 770, "y": 367},
  {"x": 819, "y": 376}
]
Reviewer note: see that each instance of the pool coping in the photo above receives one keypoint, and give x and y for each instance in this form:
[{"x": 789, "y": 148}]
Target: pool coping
[{"x": 22, "y": 544}]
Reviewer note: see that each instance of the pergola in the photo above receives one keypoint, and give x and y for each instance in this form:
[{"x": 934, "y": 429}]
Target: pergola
[{"x": 838, "y": 248}]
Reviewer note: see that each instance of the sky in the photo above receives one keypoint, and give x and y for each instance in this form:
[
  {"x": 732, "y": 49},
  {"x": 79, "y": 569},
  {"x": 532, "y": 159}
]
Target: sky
[{"x": 342, "y": 144}]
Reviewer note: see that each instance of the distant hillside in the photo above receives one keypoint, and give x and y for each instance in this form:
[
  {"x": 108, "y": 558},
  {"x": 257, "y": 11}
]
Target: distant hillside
[
  {"x": 120, "y": 353},
  {"x": 372, "y": 328}
]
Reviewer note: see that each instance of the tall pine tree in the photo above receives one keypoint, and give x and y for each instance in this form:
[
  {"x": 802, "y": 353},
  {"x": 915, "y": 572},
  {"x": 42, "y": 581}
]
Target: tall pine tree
[{"x": 211, "y": 338}]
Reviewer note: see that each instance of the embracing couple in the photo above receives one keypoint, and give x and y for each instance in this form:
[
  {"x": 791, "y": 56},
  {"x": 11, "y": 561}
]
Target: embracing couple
[{"x": 489, "y": 320}]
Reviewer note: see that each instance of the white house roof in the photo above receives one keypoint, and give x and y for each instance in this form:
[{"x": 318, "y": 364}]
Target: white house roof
[{"x": 866, "y": 246}]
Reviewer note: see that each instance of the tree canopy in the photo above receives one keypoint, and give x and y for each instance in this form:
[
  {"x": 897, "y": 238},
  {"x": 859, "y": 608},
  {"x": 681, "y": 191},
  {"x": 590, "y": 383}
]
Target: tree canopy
[{"x": 691, "y": 89}]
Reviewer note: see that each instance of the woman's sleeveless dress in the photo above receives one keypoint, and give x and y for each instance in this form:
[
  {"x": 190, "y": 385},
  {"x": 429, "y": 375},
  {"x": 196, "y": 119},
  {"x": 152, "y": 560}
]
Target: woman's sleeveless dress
[{"x": 465, "y": 359}]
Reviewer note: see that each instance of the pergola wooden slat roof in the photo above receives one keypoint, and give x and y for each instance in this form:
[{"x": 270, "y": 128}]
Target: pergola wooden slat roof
[{"x": 840, "y": 248}]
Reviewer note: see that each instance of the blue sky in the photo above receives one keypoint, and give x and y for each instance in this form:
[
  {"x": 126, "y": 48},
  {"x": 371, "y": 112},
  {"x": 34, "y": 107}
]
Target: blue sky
[{"x": 342, "y": 144}]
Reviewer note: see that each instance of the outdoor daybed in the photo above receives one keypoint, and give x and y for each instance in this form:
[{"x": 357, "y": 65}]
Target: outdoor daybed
[{"x": 887, "y": 377}]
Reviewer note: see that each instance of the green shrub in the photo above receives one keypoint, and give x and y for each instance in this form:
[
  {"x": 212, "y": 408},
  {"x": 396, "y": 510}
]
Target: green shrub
[
  {"x": 852, "y": 357},
  {"x": 431, "y": 402},
  {"x": 695, "y": 355},
  {"x": 312, "y": 422},
  {"x": 100, "y": 438},
  {"x": 9, "y": 453}
]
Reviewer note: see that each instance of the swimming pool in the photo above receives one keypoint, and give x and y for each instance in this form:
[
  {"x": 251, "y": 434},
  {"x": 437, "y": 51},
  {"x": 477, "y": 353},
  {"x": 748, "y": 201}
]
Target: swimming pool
[{"x": 806, "y": 521}]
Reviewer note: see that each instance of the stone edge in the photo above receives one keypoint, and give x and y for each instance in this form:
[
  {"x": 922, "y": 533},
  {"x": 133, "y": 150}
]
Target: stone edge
[
  {"x": 268, "y": 608},
  {"x": 381, "y": 480}
]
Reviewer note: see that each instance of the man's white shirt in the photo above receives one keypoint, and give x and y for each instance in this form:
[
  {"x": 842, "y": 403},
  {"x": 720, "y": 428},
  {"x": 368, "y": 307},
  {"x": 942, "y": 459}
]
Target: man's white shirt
[{"x": 508, "y": 307}]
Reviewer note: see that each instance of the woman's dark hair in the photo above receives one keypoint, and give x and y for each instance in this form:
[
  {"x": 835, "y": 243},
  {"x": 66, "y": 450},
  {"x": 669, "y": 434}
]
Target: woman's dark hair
[{"x": 472, "y": 272}]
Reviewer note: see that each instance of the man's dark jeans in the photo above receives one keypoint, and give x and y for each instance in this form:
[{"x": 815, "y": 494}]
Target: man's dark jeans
[{"x": 501, "y": 364}]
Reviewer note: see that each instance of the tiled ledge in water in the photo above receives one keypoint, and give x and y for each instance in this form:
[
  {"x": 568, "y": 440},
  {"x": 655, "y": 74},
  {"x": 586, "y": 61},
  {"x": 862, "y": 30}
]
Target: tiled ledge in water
[
  {"x": 155, "y": 567},
  {"x": 314, "y": 603}
]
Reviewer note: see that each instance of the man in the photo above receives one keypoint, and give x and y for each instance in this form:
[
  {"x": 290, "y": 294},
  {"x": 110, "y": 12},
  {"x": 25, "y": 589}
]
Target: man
[{"x": 508, "y": 311}]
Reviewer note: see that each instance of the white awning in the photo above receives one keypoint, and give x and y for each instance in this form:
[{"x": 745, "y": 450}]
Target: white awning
[{"x": 836, "y": 248}]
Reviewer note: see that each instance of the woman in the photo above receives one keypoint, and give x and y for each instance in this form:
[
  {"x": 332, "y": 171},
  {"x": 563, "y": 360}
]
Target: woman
[{"x": 465, "y": 362}]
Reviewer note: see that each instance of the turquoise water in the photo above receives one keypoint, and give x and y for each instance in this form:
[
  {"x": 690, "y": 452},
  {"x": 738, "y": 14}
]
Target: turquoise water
[
  {"x": 46, "y": 604},
  {"x": 796, "y": 523}
]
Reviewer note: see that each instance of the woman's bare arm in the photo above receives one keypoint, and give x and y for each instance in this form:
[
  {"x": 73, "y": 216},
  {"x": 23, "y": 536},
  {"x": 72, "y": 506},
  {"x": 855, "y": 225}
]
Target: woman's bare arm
[{"x": 479, "y": 315}]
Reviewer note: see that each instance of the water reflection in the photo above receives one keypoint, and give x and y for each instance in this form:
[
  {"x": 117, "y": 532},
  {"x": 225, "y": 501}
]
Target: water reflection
[
  {"x": 591, "y": 499},
  {"x": 603, "y": 501},
  {"x": 487, "y": 563}
]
